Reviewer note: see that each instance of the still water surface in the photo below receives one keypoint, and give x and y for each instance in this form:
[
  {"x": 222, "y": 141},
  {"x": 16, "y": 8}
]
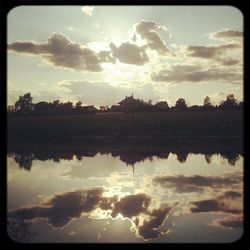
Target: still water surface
[{"x": 124, "y": 196}]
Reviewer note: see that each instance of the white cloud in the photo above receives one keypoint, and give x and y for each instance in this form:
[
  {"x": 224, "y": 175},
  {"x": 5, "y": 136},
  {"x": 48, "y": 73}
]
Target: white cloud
[
  {"x": 103, "y": 93},
  {"x": 88, "y": 10},
  {"x": 70, "y": 28},
  {"x": 97, "y": 25}
]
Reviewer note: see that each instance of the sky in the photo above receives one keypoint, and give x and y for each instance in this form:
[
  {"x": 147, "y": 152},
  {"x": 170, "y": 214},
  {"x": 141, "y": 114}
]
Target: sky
[
  {"x": 100, "y": 54},
  {"x": 199, "y": 200}
]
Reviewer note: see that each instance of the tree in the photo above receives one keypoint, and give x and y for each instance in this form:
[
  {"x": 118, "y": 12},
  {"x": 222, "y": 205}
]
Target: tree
[
  {"x": 55, "y": 106},
  {"x": 181, "y": 104},
  {"x": 42, "y": 107},
  {"x": 229, "y": 103},
  {"x": 24, "y": 103},
  {"x": 11, "y": 108},
  {"x": 67, "y": 107},
  {"x": 207, "y": 102},
  {"x": 78, "y": 105},
  {"x": 240, "y": 105}
]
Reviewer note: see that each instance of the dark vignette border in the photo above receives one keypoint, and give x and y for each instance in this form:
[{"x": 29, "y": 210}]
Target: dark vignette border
[{"x": 5, "y": 7}]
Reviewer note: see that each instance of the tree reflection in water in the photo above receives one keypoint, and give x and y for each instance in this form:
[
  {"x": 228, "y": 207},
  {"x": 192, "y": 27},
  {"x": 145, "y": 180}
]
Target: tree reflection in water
[
  {"x": 19, "y": 230},
  {"x": 24, "y": 157}
]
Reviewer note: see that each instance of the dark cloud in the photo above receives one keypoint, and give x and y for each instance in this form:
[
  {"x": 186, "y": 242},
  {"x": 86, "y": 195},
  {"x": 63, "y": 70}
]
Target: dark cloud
[
  {"x": 196, "y": 183},
  {"x": 205, "y": 206},
  {"x": 62, "y": 208},
  {"x": 210, "y": 52},
  {"x": 131, "y": 205},
  {"x": 150, "y": 227},
  {"x": 129, "y": 53},
  {"x": 105, "y": 56},
  {"x": 194, "y": 73},
  {"x": 27, "y": 47},
  {"x": 147, "y": 31},
  {"x": 228, "y": 62},
  {"x": 232, "y": 194},
  {"x": 61, "y": 52},
  {"x": 229, "y": 34},
  {"x": 231, "y": 222},
  {"x": 147, "y": 222},
  {"x": 227, "y": 202}
]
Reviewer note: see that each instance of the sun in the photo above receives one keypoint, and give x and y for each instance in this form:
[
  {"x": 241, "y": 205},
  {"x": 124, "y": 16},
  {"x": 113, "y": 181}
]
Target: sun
[{"x": 117, "y": 40}]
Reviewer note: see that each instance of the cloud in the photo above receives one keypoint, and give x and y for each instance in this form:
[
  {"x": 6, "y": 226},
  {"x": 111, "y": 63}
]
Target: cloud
[
  {"x": 228, "y": 202},
  {"x": 232, "y": 194},
  {"x": 219, "y": 53},
  {"x": 97, "y": 25},
  {"x": 70, "y": 28},
  {"x": 61, "y": 52},
  {"x": 228, "y": 62},
  {"x": 195, "y": 73},
  {"x": 129, "y": 53},
  {"x": 46, "y": 95},
  {"x": 215, "y": 53},
  {"x": 131, "y": 205},
  {"x": 196, "y": 183},
  {"x": 88, "y": 10},
  {"x": 147, "y": 31},
  {"x": 150, "y": 228},
  {"x": 210, "y": 52},
  {"x": 60, "y": 209},
  {"x": 103, "y": 93},
  {"x": 231, "y": 222},
  {"x": 227, "y": 35},
  {"x": 205, "y": 206}
]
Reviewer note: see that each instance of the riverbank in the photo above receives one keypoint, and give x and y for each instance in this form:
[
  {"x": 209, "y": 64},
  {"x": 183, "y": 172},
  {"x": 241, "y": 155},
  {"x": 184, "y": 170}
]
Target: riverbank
[{"x": 116, "y": 126}]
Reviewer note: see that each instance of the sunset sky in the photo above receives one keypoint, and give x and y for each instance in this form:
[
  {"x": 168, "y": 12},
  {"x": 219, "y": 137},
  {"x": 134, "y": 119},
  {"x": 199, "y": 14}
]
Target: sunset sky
[{"x": 100, "y": 54}]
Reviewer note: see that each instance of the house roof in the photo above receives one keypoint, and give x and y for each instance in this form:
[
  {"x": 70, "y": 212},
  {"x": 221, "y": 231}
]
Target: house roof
[
  {"x": 41, "y": 103},
  {"x": 161, "y": 104},
  {"x": 131, "y": 100},
  {"x": 89, "y": 107}
]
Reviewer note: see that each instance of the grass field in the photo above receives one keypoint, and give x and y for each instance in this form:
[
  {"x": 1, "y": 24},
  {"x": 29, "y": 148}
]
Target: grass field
[{"x": 210, "y": 123}]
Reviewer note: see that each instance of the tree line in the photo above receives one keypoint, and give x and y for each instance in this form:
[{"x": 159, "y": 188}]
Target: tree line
[{"x": 25, "y": 105}]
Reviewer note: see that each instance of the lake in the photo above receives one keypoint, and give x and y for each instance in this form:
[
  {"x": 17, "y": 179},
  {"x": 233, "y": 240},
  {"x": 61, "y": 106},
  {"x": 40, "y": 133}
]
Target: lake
[{"x": 147, "y": 194}]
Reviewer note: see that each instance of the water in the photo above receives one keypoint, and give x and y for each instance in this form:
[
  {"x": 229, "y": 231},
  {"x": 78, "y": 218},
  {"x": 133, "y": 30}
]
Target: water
[{"x": 147, "y": 194}]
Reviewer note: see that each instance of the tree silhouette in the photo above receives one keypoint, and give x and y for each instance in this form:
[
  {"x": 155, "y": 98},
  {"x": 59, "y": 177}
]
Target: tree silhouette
[
  {"x": 208, "y": 158},
  {"x": 19, "y": 230},
  {"x": 42, "y": 107},
  {"x": 207, "y": 102},
  {"x": 181, "y": 103},
  {"x": 24, "y": 103},
  {"x": 67, "y": 106},
  {"x": 229, "y": 103},
  {"x": 78, "y": 105},
  {"x": 240, "y": 105}
]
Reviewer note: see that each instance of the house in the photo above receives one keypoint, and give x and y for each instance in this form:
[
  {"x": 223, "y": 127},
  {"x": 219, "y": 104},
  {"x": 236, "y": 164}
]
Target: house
[
  {"x": 131, "y": 104},
  {"x": 88, "y": 109},
  {"x": 42, "y": 107},
  {"x": 115, "y": 108},
  {"x": 104, "y": 108},
  {"x": 161, "y": 106}
]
